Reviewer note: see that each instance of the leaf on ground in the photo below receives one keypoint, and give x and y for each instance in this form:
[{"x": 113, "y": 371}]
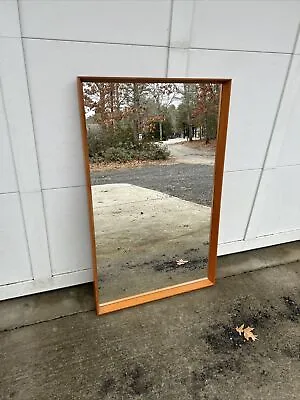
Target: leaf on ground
[
  {"x": 181, "y": 262},
  {"x": 240, "y": 329},
  {"x": 248, "y": 334}
]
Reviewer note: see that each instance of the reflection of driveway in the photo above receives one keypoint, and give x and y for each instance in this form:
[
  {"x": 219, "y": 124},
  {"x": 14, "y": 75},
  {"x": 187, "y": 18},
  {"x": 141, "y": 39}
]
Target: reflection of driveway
[
  {"x": 146, "y": 223},
  {"x": 139, "y": 235},
  {"x": 187, "y": 155},
  {"x": 192, "y": 182}
]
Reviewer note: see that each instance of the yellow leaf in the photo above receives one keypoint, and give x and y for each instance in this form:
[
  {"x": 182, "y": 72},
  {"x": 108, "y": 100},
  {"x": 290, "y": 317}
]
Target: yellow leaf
[
  {"x": 240, "y": 329},
  {"x": 248, "y": 334}
]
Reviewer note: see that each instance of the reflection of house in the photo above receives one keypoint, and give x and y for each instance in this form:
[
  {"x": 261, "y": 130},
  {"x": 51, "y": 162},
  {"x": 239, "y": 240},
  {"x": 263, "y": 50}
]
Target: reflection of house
[{"x": 44, "y": 226}]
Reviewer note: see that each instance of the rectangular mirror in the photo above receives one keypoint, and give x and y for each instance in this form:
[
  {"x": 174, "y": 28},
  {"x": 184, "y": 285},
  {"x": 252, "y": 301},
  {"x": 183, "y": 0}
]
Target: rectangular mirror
[{"x": 154, "y": 154}]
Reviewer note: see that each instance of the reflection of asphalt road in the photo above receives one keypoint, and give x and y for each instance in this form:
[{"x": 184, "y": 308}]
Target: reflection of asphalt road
[
  {"x": 188, "y": 155},
  {"x": 191, "y": 182}
]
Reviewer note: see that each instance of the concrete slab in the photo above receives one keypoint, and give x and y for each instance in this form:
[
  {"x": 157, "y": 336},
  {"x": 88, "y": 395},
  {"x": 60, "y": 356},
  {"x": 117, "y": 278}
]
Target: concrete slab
[
  {"x": 37, "y": 308},
  {"x": 140, "y": 233},
  {"x": 46, "y": 306},
  {"x": 180, "y": 348},
  {"x": 253, "y": 260}
]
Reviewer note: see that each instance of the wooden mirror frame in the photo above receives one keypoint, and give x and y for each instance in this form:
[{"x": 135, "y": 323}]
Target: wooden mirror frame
[{"x": 146, "y": 297}]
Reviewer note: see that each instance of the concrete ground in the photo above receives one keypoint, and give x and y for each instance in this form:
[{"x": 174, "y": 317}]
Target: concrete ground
[
  {"x": 187, "y": 155},
  {"x": 52, "y": 345},
  {"x": 184, "y": 347},
  {"x": 140, "y": 233}
]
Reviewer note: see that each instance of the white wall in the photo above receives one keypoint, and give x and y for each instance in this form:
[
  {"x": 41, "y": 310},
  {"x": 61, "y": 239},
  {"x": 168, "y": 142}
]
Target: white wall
[{"x": 44, "y": 45}]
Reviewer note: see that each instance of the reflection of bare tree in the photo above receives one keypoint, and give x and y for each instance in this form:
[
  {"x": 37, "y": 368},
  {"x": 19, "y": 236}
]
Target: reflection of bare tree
[
  {"x": 147, "y": 112},
  {"x": 141, "y": 103},
  {"x": 205, "y": 112}
]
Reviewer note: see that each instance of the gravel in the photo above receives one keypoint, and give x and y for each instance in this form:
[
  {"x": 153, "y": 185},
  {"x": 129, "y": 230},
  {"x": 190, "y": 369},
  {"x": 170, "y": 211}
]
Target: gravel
[{"x": 192, "y": 182}]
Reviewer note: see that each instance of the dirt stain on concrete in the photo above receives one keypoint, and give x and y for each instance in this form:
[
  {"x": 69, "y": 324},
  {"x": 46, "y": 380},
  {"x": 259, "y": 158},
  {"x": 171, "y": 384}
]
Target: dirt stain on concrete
[
  {"x": 195, "y": 262},
  {"x": 137, "y": 380},
  {"x": 234, "y": 356},
  {"x": 107, "y": 386},
  {"x": 293, "y": 308}
]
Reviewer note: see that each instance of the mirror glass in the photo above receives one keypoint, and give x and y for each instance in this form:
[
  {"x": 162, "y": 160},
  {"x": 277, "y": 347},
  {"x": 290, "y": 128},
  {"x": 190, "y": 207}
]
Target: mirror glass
[{"x": 151, "y": 154}]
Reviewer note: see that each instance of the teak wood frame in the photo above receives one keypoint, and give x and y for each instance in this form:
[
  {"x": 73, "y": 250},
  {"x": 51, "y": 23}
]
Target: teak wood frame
[{"x": 185, "y": 287}]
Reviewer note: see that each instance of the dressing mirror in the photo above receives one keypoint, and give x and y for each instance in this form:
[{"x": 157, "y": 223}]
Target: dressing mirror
[{"x": 154, "y": 154}]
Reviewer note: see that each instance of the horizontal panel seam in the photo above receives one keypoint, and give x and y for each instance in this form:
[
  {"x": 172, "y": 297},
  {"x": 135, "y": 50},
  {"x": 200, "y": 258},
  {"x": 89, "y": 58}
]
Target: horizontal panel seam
[
  {"x": 10, "y": 192},
  {"x": 55, "y": 275},
  {"x": 9, "y": 37},
  {"x": 63, "y": 187},
  {"x": 268, "y": 235},
  {"x": 17, "y": 282},
  {"x": 162, "y": 46}
]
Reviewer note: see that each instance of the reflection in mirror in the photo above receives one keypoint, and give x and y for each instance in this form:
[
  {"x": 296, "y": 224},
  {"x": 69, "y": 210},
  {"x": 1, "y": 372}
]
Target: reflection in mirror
[{"x": 151, "y": 153}]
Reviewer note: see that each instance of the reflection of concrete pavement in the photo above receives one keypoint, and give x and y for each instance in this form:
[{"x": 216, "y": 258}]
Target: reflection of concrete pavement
[
  {"x": 187, "y": 155},
  {"x": 135, "y": 226},
  {"x": 174, "y": 141},
  {"x": 132, "y": 222}
]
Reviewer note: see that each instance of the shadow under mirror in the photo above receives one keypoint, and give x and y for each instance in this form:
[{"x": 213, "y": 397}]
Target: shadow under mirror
[{"x": 151, "y": 149}]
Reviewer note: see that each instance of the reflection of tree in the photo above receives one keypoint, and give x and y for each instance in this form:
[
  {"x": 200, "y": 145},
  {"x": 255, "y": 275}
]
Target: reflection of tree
[
  {"x": 153, "y": 110},
  {"x": 205, "y": 113},
  {"x": 198, "y": 110}
]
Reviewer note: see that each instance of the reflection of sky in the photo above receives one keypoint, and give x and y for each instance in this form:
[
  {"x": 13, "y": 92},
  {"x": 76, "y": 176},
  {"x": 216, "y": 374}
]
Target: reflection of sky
[
  {"x": 88, "y": 113},
  {"x": 174, "y": 98}
]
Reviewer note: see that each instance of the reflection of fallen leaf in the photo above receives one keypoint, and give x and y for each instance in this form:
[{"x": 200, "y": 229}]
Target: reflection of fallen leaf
[
  {"x": 248, "y": 334},
  {"x": 181, "y": 262},
  {"x": 240, "y": 329}
]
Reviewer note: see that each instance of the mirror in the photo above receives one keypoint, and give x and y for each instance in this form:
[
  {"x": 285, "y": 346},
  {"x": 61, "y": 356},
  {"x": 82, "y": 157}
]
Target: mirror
[{"x": 150, "y": 151}]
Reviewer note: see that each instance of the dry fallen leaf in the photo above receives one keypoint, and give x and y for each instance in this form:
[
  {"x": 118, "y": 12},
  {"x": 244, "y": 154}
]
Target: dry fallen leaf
[
  {"x": 240, "y": 329},
  {"x": 181, "y": 262},
  {"x": 248, "y": 334}
]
